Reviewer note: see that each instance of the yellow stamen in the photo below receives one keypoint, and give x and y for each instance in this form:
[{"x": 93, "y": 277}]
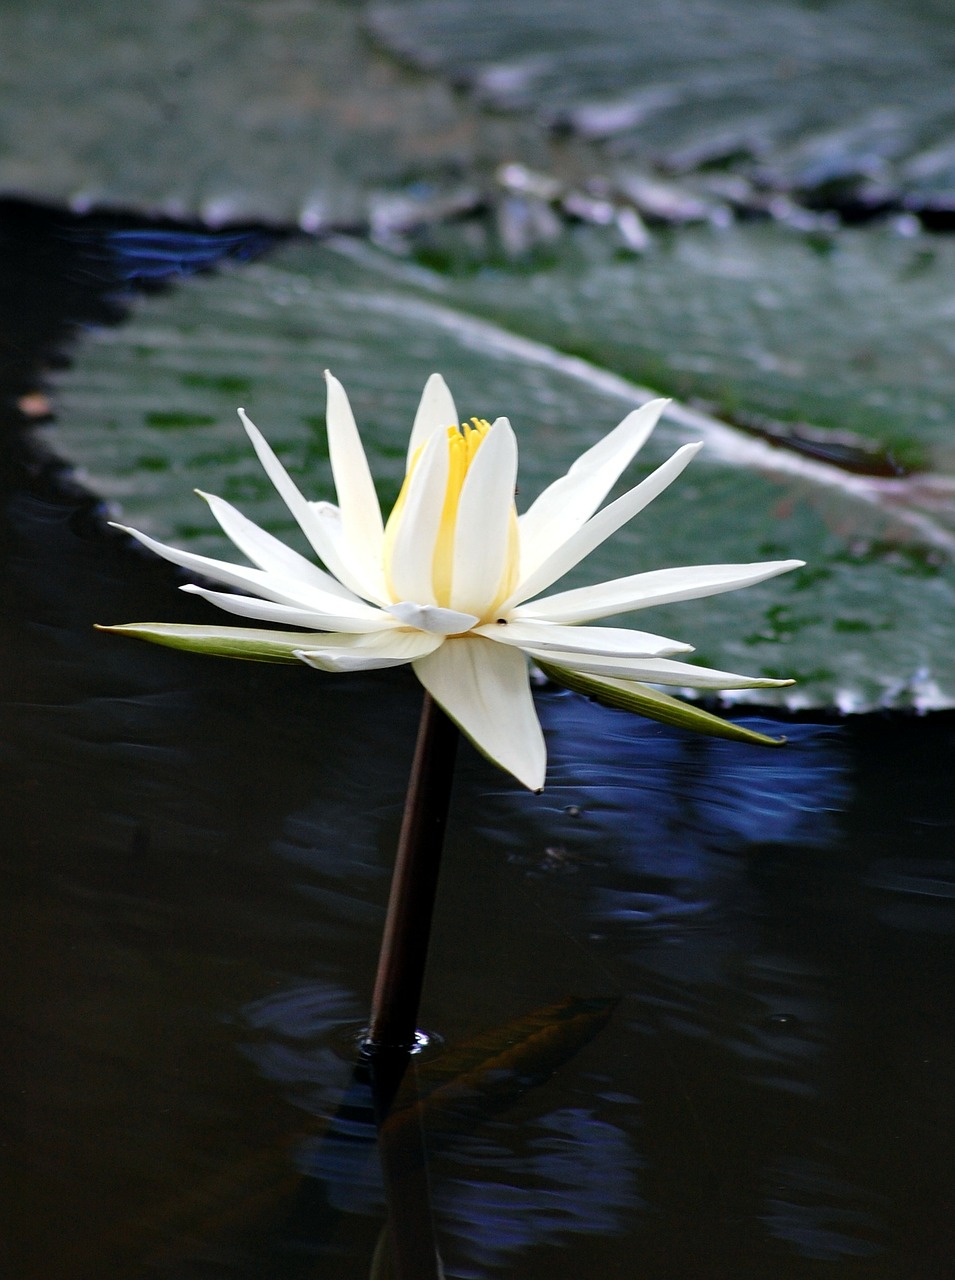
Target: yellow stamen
[{"x": 463, "y": 445}]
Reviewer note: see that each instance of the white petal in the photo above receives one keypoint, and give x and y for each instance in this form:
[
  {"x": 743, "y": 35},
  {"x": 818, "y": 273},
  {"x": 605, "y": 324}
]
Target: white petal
[
  {"x": 659, "y": 671},
  {"x": 369, "y": 653},
  {"x": 325, "y": 536},
  {"x": 436, "y": 411},
  {"x": 411, "y": 571},
  {"x": 599, "y": 527},
  {"x": 286, "y": 487},
  {"x": 544, "y": 637},
  {"x": 485, "y": 512},
  {"x": 659, "y": 586},
  {"x": 268, "y": 552},
  {"x": 337, "y": 551},
  {"x": 232, "y": 575},
  {"x": 357, "y": 500},
  {"x": 563, "y": 507},
  {"x": 429, "y": 617},
  {"x": 270, "y": 586},
  {"x": 291, "y": 615},
  {"x": 485, "y": 690}
]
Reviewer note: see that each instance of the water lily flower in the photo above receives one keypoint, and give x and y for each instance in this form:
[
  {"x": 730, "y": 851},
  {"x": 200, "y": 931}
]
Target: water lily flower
[{"x": 452, "y": 582}]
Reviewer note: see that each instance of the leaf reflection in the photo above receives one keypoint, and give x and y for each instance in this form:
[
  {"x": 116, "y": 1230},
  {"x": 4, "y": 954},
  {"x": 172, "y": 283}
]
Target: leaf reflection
[{"x": 496, "y": 1188}]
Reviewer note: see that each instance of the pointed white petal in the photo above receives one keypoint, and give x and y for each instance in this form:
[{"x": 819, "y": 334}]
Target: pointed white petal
[
  {"x": 357, "y": 500},
  {"x": 270, "y": 586},
  {"x": 325, "y": 536},
  {"x": 366, "y": 580},
  {"x": 599, "y": 527},
  {"x": 286, "y": 487},
  {"x": 658, "y": 671},
  {"x": 436, "y": 411},
  {"x": 429, "y": 617},
  {"x": 485, "y": 512},
  {"x": 411, "y": 571},
  {"x": 659, "y": 586},
  {"x": 291, "y": 615},
  {"x": 544, "y": 637},
  {"x": 563, "y": 507},
  {"x": 485, "y": 690},
  {"x": 368, "y": 653},
  {"x": 232, "y": 575},
  {"x": 266, "y": 551}
]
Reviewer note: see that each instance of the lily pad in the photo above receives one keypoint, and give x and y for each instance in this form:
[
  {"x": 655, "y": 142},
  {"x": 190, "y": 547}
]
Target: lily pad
[
  {"x": 849, "y": 331},
  {"x": 277, "y": 112},
  {"x": 148, "y": 412},
  {"x": 802, "y": 94},
  {"x": 289, "y": 113}
]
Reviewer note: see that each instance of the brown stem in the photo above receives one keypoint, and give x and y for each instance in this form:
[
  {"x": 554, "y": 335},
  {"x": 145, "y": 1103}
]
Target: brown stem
[{"x": 404, "y": 944}]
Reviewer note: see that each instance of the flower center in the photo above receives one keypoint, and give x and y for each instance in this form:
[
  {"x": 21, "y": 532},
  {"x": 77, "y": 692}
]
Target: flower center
[
  {"x": 464, "y": 441},
  {"x": 463, "y": 444}
]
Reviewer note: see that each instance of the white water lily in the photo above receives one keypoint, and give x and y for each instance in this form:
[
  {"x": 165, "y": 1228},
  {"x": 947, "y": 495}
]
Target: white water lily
[{"x": 452, "y": 582}]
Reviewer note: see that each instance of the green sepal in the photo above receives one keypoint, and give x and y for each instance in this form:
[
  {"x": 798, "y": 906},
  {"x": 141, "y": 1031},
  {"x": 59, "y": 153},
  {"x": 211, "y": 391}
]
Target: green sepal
[
  {"x": 628, "y": 695},
  {"x": 247, "y": 643}
]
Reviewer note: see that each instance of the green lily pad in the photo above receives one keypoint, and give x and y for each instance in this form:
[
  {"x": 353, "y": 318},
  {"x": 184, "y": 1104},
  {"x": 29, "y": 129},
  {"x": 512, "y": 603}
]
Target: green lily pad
[
  {"x": 289, "y": 113},
  {"x": 803, "y": 94},
  {"x": 275, "y": 112},
  {"x": 148, "y": 412},
  {"x": 850, "y": 331}
]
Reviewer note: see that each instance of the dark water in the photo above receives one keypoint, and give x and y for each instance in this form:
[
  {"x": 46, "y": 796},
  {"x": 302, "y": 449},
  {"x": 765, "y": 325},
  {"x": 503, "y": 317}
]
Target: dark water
[{"x": 195, "y": 861}]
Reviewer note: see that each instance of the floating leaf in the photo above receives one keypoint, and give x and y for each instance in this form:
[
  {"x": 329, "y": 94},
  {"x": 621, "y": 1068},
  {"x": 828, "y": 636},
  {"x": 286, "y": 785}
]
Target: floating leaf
[
  {"x": 866, "y": 624},
  {"x": 848, "y": 332},
  {"x": 261, "y": 111},
  {"x": 811, "y": 94}
]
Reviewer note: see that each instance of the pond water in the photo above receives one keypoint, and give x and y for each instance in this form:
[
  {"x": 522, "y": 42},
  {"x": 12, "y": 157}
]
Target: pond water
[{"x": 699, "y": 994}]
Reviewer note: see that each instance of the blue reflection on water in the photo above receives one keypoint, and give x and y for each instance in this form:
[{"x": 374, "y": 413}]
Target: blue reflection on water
[
  {"x": 651, "y": 847},
  {"x": 658, "y": 837},
  {"x": 822, "y": 1217},
  {"x": 715, "y": 793},
  {"x": 576, "y": 1175},
  {"x": 305, "y": 1050},
  {"x": 664, "y": 808},
  {"x": 157, "y": 254},
  {"x": 496, "y": 1191}
]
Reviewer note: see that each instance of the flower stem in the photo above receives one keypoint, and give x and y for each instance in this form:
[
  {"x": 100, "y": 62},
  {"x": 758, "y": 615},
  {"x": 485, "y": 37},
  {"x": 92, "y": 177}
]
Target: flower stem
[{"x": 404, "y": 944}]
